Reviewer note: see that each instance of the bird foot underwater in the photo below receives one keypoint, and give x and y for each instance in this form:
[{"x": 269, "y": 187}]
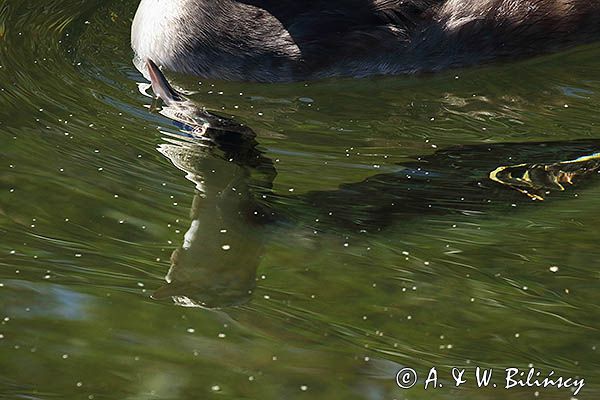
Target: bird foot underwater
[{"x": 537, "y": 180}]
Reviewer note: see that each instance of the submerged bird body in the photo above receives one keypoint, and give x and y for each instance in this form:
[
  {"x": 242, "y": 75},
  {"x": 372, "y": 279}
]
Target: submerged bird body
[{"x": 288, "y": 40}]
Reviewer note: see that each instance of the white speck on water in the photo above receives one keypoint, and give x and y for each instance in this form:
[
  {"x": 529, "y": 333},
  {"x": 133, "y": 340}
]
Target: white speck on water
[
  {"x": 226, "y": 247},
  {"x": 222, "y": 335},
  {"x": 554, "y": 269},
  {"x": 266, "y": 297},
  {"x": 304, "y": 388},
  {"x": 191, "y": 330},
  {"x": 79, "y": 384},
  {"x": 251, "y": 378},
  {"x": 517, "y": 335},
  {"x": 65, "y": 356},
  {"x": 216, "y": 388}
]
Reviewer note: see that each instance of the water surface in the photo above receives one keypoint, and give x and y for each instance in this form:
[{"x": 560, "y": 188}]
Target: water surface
[{"x": 363, "y": 235}]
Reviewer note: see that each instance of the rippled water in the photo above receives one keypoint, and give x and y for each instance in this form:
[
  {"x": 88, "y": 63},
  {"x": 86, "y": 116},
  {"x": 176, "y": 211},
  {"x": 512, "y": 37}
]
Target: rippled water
[{"x": 360, "y": 233}]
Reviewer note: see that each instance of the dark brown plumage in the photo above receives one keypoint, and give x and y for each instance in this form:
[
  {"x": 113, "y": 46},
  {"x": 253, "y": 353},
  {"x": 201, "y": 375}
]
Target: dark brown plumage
[{"x": 283, "y": 40}]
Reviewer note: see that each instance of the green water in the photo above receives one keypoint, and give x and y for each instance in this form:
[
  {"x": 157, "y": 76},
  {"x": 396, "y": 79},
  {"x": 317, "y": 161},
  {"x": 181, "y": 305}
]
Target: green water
[{"x": 387, "y": 246}]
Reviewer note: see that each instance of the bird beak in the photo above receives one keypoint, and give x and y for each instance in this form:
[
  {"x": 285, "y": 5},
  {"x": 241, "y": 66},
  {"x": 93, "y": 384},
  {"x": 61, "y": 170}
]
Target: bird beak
[{"x": 160, "y": 85}]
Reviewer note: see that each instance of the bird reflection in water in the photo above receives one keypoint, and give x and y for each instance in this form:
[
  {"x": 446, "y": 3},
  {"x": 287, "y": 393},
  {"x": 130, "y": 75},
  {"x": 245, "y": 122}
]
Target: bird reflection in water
[
  {"x": 234, "y": 210},
  {"x": 216, "y": 264}
]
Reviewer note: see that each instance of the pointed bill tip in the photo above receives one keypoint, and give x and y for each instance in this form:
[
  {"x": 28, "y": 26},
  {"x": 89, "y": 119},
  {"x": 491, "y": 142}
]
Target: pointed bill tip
[{"x": 160, "y": 85}]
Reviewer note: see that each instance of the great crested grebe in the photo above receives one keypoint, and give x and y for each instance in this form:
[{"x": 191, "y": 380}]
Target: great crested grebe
[{"x": 290, "y": 40}]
